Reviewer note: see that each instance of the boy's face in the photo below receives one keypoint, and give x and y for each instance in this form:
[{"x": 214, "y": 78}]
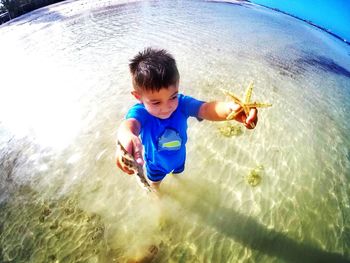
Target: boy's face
[{"x": 160, "y": 104}]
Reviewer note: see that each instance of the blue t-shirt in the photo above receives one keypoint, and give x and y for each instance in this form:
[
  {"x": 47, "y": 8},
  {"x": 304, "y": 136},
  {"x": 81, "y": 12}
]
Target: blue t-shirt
[{"x": 164, "y": 140}]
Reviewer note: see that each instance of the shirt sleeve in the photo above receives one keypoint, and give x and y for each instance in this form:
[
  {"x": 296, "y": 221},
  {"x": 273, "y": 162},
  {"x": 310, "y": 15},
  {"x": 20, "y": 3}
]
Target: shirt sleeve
[
  {"x": 190, "y": 106},
  {"x": 139, "y": 113}
]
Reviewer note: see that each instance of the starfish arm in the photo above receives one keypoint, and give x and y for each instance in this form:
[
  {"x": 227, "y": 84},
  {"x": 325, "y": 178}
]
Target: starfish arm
[
  {"x": 248, "y": 93},
  {"x": 233, "y": 114},
  {"x": 232, "y": 96},
  {"x": 257, "y": 105},
  {"x": 246, "y": 110}
]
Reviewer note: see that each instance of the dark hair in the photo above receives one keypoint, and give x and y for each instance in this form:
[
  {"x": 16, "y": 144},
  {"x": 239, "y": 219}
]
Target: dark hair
[{"x": 153, "y": 69}]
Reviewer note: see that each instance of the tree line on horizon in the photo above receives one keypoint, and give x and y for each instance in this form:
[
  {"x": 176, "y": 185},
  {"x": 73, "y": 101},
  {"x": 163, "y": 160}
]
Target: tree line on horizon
[{"x": 15, "y": 8}]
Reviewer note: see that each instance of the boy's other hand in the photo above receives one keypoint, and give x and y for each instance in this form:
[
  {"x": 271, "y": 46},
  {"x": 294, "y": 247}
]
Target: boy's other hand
[{"x": 134, "y": 147}]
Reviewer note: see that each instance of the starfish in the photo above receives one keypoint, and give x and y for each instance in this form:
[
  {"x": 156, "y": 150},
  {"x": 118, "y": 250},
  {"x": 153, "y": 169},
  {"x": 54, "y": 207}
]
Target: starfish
[{"x": 246, "y": 105}]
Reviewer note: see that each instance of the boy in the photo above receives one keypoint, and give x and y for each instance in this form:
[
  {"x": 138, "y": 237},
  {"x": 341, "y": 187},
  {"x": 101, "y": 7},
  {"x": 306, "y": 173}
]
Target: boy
[{"x": 160, "y": 117}]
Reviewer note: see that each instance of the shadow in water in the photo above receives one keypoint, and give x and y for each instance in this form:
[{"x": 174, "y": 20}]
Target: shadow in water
[
  {"x": 204, "y": 201},
  {"x": 305, "y": 61},
  {"x": 325, "y": 64}
]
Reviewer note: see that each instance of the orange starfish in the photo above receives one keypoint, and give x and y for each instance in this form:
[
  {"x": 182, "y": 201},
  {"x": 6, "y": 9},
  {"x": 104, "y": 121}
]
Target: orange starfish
[{"x": 246, "y": 105}]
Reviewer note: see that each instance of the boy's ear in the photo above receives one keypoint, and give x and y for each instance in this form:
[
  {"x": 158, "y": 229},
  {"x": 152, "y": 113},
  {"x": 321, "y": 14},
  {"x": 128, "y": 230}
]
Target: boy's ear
[{"x": 136, "y": 95}]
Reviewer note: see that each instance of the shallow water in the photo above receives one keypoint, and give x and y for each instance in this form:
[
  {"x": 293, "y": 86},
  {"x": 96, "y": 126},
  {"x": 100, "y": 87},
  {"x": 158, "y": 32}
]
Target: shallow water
[{"x": 65, "y": 88}]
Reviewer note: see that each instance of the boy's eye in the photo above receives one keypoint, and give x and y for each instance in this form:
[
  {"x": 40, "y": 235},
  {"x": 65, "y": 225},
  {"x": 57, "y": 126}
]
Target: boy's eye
[
  {"x": 155, "y": 103},
  {"x": 174, "y": 98}
]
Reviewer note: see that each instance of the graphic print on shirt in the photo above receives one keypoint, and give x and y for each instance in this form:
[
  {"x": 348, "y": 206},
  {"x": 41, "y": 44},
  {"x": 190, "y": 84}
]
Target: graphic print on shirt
[{"x": 170, "y": 140}]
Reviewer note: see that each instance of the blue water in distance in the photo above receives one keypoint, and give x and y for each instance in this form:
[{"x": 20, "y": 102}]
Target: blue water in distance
[{"x": 333, "y": 15}]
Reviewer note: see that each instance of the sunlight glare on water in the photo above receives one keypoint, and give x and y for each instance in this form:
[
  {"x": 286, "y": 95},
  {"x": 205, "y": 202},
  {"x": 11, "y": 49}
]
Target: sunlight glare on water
[{"x": 65, "y": 88}]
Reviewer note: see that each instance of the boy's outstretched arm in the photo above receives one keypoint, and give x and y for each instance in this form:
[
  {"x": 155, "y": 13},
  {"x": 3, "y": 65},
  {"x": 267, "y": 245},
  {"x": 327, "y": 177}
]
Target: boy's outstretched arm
[
  {"x": 128, "y": 133},
  {"x": 218, "y": 111}
]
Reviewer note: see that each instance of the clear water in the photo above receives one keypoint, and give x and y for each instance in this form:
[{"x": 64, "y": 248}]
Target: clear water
[{"x": 65, "y": 88}]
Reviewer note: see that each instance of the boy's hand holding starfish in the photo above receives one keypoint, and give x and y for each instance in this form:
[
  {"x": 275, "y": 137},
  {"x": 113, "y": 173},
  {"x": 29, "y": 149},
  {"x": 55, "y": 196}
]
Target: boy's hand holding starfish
[{"x": 245, "y": 112}]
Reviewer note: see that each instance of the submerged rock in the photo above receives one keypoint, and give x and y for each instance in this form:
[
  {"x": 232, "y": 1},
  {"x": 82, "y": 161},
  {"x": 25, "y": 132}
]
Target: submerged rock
[
  {"x": 230, "y": 130},
  {"x": 255, "y": 176}
]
